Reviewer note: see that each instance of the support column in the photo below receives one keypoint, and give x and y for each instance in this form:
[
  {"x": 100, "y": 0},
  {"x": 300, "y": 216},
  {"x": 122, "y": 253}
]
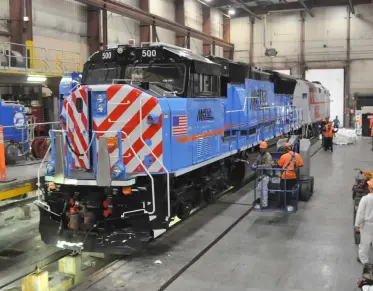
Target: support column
[
  {"x": 93, "y": 29},
  {"x": 302, "y": 64},
  {"x": 28, "y": 34},
  {"x": 28, "y": 24},
  {"x": 228, "y": 54},
  {"x": 144, "y": 27},
  {"x": 348, "y": 103},
  {"x": 104, "y": 28},
  {"x": 180, "y": 18},
  {"x": 206, "y": 28},
  {"x": 16, "y": 9},
  {"x": 251, "y": 48}
]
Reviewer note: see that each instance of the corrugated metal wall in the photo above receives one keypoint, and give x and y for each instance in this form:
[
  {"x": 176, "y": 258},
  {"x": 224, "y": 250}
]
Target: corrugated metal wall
[
  {"x": 4, "y": 14},
  {"x": 121, "y": 29},
  {"x": 217, "y": 28},
  {"x": 60, "y": 25},
  {"x": 240, "y": 36},
  {"x": 164, "y": 8},
  {"x": 193, "y": 19},
  {"x": 325, "y": 41}
]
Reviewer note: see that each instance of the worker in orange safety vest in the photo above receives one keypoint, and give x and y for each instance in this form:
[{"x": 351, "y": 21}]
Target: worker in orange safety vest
[
  {"x": 322, "y": 125},
  {"x": 329, "y": 132},
  {"x": 289, "y": 162}
]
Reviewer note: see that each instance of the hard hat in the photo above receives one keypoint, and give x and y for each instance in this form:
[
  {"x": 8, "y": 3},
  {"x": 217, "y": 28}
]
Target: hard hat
[
  {"x": 288, "y": 145},
  {"x": 323, "y": 120},
  {"x": 263, "y": 145},
  {"x": 330, "y": 121},
  {"x": 370, "y": 183}
]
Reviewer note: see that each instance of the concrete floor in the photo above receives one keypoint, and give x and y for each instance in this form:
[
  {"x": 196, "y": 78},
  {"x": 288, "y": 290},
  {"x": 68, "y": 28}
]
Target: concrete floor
[{"x": 310, "y": 250}]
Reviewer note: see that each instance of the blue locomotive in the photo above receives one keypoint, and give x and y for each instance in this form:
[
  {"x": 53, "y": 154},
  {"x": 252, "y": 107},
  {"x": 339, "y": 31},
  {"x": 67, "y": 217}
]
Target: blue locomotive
[{"x": 151, "y": 134}]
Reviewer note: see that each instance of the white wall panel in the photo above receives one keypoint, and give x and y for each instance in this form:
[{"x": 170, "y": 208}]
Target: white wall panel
[
  {"x": 166, "y": 9},
  {"x": 194, "y": 19},
  {"x": 4, "y": 14},
  {"x": 216, "y": 18},
  {"x": 325, "y": 34},
  {"x": 362, "y": 32},
  {"x": 121, "y": 29},
  {"x": 60, "y": 19},
  {"x": 283, "y": 34},
  {"x": 60, "y": 25},
  {"x": 362, "y": 76},
  {"x": 240, "y": 37}
]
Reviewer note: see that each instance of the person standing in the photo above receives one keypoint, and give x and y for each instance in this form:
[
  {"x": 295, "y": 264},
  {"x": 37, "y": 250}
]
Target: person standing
[
  {"x": 289, "y": 162},
  {"x": 264, "y": 160},
  {"x": 364, "y": 224},
  {"x": 336, "y": 122},
  {"x": 329, "y": 132}
]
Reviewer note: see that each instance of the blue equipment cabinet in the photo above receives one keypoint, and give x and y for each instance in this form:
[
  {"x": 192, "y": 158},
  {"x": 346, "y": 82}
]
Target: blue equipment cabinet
[{"x": 13, "y": 114}]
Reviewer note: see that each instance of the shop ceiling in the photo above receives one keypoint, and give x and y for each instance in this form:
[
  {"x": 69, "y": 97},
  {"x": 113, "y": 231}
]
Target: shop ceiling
[{"x": 255, "y": 8}]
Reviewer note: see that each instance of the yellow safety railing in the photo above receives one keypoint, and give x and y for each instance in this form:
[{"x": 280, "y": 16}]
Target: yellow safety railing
[{"x": 31, "y": 59}]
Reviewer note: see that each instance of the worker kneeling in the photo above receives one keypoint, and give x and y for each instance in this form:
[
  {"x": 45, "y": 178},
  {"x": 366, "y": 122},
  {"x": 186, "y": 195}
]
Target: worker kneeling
[
  {"x": 263, "y": 161},
  {"x": 289, "y": 162},
  {"x": 364, "y": 224}
]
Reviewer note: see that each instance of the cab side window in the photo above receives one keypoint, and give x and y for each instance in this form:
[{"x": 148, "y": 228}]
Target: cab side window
[{"x": 205, "y": 86}]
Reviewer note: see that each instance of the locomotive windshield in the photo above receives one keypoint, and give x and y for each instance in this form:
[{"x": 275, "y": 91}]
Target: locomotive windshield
[
  {"x": 161, "y": 77},
  {"x": 101, "y": 75}
]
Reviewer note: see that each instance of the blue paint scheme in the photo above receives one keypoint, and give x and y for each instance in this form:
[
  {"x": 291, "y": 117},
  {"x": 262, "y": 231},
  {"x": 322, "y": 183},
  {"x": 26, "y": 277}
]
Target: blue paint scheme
[
  {"x": 216, "y": 126},
  {"x": 250, "y": 113},
  {"x": 13, "y": 114},
  {"x": 68, "y": 84}
]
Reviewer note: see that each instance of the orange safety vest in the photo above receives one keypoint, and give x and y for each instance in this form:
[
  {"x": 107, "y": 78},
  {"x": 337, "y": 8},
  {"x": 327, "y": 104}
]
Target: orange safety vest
[
  {"x": 288, "y": 162},
  {"x": 329, "y": 131},
  {"x": 371, "y": 131}
]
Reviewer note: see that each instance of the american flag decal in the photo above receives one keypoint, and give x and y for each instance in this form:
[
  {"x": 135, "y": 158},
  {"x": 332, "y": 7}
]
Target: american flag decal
[{"x": 179, "y": 125}]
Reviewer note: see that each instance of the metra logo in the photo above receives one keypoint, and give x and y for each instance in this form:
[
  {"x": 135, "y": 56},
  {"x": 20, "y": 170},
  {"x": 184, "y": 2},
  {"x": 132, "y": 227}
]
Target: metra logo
[{"x": 204, "y": 114}]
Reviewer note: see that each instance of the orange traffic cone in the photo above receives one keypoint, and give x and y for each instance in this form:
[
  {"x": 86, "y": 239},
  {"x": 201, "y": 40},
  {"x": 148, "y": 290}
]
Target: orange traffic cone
[{"x": 3, "y": 178}]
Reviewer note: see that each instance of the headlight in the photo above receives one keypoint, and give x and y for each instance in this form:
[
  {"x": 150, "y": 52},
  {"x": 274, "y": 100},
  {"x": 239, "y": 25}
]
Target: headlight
[
  {"x": 50, "y": 168},
  {"x": 100, "y": 98},
  {"x": 100, "y": 108}
]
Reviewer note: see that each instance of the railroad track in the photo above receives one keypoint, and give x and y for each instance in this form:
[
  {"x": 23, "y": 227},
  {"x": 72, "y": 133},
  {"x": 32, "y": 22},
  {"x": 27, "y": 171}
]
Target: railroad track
[{"x": 101, "y": 267}]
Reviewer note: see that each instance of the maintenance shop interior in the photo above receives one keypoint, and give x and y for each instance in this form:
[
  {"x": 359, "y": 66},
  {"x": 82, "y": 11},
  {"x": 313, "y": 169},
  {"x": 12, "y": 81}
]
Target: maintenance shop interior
[{"x": 186, "y": 145}]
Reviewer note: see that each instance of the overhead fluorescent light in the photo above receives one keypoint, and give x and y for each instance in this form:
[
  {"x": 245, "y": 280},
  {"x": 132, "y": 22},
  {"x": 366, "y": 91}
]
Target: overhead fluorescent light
[
  {"x": 26, "y": 18},
  {"x": 231, "y": 11},
  {"x": 38, "y": 79}
]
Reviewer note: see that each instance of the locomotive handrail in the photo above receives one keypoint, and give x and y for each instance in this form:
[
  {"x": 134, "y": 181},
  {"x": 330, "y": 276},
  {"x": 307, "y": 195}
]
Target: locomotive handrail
[
  {"x": 162, "y": 165},
  {"x": 128, "y": 140},
  {"x": 39, "y": 192},
  {"x": 244, "y": 105}
]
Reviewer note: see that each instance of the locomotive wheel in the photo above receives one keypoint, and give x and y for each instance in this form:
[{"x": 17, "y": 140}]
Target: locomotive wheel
[
  {"x": 209, "y": 195},
  {"x": 184, "y": 209}
]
